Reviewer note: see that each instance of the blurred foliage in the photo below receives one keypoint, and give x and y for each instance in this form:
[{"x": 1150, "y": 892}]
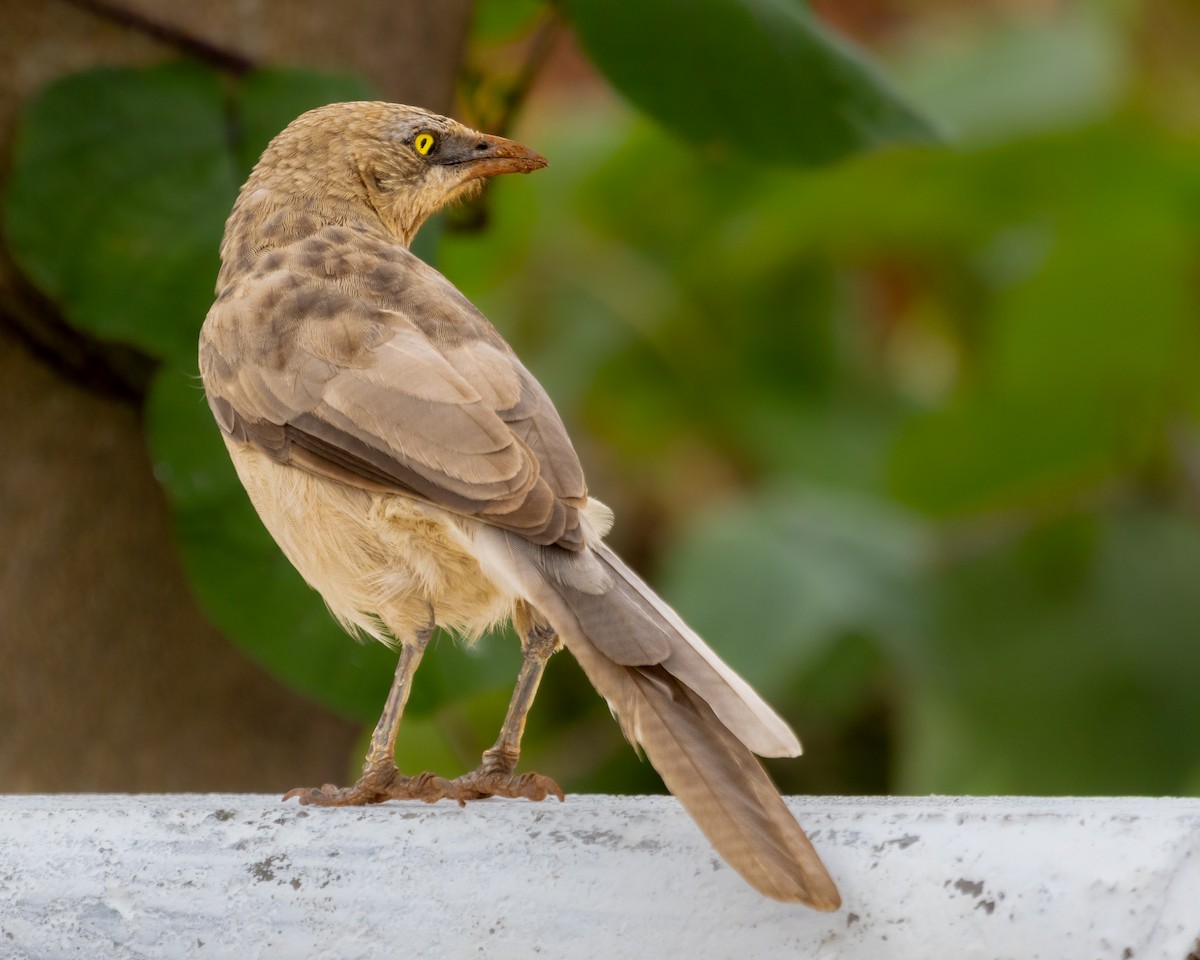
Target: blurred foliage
[
  {"x": 98, "y": 160},
  {"x": 763, "y": 79},
  {"x": 912, "y": 440}
]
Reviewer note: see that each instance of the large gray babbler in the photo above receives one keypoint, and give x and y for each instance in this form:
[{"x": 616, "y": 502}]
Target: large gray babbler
[{"x": 416, "y": 474}]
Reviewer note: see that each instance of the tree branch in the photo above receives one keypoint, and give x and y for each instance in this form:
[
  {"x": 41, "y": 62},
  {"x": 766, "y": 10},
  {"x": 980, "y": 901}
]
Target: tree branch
[{"x": 197, "y": 47}]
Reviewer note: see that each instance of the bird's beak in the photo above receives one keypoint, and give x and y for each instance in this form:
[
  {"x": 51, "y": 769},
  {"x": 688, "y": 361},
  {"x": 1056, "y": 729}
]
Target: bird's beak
[{"x": 495, "y": 155}]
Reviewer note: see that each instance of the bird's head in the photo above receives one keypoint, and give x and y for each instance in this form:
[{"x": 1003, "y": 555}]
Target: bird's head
[{"x": 401, "y": 162}]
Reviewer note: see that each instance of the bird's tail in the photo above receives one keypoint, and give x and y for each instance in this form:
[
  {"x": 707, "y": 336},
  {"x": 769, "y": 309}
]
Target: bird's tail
[{"x": 696, "y": 720}]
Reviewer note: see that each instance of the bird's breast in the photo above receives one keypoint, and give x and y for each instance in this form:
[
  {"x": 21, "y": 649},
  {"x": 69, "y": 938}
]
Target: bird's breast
[{"x": 381, "y": 561}]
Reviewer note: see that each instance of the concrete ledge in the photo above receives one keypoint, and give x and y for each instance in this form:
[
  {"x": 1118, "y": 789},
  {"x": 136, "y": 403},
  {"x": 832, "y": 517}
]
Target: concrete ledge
[{"x": 598, "y": 877}]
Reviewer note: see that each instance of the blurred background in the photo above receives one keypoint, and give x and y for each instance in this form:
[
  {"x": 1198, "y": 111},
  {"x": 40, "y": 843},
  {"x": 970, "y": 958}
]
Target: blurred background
[{"x": 875, "y": 322}]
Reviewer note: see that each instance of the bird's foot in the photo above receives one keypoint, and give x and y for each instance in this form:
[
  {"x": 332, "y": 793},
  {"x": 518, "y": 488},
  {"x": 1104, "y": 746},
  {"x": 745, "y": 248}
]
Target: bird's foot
[
  {"x": 376, "y": 785},
  {"x": 494, "y": 777},
  {"x": 482, "y": 783}
]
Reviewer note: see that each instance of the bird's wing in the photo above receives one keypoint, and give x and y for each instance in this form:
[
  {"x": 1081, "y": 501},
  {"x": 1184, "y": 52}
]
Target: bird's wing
[{"x": 373, "y": 369}]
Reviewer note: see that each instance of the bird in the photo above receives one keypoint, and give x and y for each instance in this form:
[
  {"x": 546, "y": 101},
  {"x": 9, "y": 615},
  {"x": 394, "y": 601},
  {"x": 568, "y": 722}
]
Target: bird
[{"x": 417, "y": 475}]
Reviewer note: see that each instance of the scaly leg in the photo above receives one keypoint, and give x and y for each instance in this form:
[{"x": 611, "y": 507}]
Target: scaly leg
[
  {"x": 380, "y": 779},
  {"x": 494, "y": 776}
]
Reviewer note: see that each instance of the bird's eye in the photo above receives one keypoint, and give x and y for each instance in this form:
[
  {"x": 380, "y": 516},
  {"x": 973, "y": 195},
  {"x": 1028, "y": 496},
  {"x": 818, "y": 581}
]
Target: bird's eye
[{"x": 423, "y": 143}]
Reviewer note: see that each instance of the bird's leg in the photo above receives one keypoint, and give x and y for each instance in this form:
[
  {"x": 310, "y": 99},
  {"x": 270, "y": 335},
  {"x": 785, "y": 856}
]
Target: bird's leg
[
  {"x": 380, "y": 779},
  {"x": 494, "y": 776}
]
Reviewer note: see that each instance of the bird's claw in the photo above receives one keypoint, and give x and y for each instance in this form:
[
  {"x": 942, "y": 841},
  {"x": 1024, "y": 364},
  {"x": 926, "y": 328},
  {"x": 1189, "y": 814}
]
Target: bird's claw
[
  {"x": 479, "y": 784},
  {"x": 376, "y": 786}
]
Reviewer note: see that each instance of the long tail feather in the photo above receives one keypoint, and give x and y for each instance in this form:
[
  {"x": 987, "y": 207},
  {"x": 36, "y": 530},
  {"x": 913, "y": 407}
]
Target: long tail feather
[
  {"x": 716, "y": 778},
  {"x": 660, "y": 681}
]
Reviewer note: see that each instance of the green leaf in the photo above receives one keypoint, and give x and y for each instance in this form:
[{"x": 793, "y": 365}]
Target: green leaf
[
  {"x": 762, "y": 78},
  {"x": 120, "y": 183}
]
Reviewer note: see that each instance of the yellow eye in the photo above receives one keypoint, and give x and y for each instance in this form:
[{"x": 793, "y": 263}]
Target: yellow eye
[{"x": 424, "y": 143}]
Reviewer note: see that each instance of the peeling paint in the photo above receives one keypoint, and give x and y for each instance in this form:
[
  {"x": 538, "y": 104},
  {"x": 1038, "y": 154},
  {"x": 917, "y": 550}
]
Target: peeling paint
[{"x": 973, "y": 888}]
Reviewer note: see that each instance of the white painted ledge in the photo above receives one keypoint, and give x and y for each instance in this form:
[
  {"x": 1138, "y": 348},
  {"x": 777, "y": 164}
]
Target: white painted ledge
[{"x": 597, "y": 877}]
